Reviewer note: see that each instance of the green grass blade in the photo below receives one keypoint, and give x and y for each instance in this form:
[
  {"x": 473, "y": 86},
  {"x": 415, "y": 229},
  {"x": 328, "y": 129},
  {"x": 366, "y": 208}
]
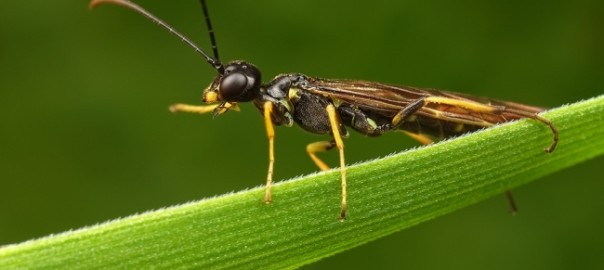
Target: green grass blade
[{"x": 301, "y": 225}]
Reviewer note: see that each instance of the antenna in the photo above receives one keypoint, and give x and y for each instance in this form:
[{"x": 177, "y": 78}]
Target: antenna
[
  {"x": 206, "y": 15},
  {"x": 213, "y": 61}
]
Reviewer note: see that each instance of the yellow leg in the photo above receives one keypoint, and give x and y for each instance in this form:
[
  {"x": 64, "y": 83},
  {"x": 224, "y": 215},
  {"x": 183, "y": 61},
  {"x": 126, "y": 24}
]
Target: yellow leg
[
  {"x": 315, "y": 147},
  {"x": 423, "y": 139},
  {"x": 204, "y": 108},
  {"x": 270, "y": 132},
  {"x": 193, "y": 108},
  {"x": 486, "y": 108},
  {"x": 476, "y": 107},
  {"x": 335, "y": 129}
]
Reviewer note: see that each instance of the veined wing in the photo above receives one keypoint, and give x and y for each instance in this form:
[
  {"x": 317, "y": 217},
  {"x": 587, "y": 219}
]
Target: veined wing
[{"x": 387, "y": 100}]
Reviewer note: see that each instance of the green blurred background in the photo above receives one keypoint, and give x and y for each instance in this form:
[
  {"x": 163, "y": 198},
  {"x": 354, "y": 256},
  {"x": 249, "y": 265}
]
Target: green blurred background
[{"x": 86, "y": 135}]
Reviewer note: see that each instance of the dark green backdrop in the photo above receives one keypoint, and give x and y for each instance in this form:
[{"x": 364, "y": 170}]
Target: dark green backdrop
[{"x": 86, "y": 136}]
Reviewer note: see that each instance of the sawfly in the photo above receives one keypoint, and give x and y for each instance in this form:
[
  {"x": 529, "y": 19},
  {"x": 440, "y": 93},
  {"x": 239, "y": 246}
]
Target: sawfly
[{"x": 328, "y": 106}]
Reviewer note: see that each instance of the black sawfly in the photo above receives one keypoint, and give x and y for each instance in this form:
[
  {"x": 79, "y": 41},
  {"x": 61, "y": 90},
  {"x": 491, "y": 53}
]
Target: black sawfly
[{"x": 328, "y": 106}]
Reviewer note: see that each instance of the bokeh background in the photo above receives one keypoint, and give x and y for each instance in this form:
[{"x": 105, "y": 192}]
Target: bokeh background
[{"x": 86, "y": 135}]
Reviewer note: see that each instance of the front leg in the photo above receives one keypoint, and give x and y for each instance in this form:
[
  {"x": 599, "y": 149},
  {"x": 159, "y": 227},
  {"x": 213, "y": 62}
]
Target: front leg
[
  {"x": 193, "y": 108},
  {"x": 218, "y": 108}
]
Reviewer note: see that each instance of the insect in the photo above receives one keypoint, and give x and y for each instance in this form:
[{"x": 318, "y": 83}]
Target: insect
[{"x": 325, "y": 106}]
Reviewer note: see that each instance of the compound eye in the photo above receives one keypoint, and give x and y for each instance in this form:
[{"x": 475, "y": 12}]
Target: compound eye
[{"x": 232, "y": 86}]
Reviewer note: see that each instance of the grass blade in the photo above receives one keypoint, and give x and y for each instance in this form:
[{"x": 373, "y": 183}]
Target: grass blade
[{"x": 301, "y": 225}]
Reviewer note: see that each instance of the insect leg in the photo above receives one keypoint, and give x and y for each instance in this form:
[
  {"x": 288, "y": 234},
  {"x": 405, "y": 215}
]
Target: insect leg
[
  {"x": 407, "y": 111},
  {"x": 335, "y": 129},
  {"x": 477, "y": 107},
  {"x": 193, "y": 108},
  {"x": 511, "y": 202},
  {"x": 415, "y": 106},
  {"x": 423, "y": 139},
  {"x": 497, "y": 109},
  {"x": 270, "y": 132},
  {"x": 313, "y": 148},
  {"x": 535, "y": 116},
  {"x": 203, "y": 108}
]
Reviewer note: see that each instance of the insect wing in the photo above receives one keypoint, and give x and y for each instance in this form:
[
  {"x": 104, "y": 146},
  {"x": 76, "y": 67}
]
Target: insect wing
[{"x": 387, "y": 100}]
